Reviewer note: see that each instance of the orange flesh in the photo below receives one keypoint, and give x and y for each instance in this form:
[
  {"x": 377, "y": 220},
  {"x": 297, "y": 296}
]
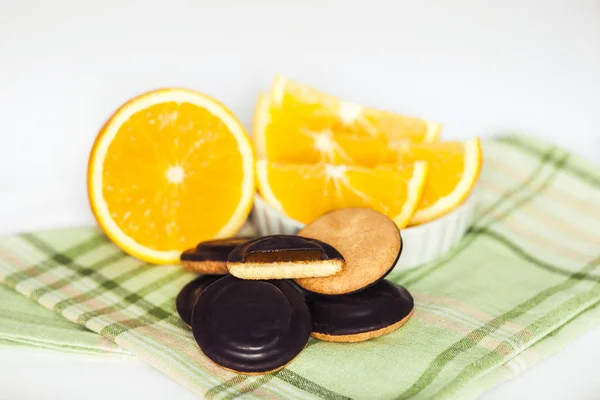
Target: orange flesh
[
  {"x": 308, "y": 191},
  {"x": 446, "y": 166},
  {"x": 172, "y": 176},
  {"x": 322, "y": 111},
  {"x": 293, "y": 139}
]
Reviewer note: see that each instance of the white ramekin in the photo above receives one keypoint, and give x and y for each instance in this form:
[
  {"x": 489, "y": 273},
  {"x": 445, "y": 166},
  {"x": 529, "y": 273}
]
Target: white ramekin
[{"x": 421, "y": 244}]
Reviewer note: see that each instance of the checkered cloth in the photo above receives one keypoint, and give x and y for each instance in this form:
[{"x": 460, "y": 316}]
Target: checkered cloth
[
  {"x": 26, "y": 324},
  {"x": 522, "y": 283}
]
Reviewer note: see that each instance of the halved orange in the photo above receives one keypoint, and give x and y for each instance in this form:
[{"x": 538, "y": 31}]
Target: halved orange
[
  {"x": 283, "y": 136},
  {"x": 306, "y": 191},
  {"x": 320, "y": 111},
  {"x": 453, "y": 171},
  {"x": 170, "y": 168}
]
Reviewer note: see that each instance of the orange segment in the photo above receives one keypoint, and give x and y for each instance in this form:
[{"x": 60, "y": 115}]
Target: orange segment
[
  {"x": 453, "y": 171},
  {"x": 169, "y": 169},
  {"x": 287, "y": 137},
  {"x": 306, "y": 191},
  {"x": 321, "y": 111}
]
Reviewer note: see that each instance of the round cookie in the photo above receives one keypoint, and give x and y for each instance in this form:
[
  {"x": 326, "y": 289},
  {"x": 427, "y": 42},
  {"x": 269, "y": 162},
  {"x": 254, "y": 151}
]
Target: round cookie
[
  {"x": 369, "y": 241},
  {"x": 210, "y": 257},
  {"x": 284, "y": 257},
  {"x": 373, "y": 312},
  {"x": 187, "y": 297},
  {"x": 251, "y": 327}
]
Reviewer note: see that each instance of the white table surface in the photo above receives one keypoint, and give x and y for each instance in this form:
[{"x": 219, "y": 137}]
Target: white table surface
[{"x": 480, "y": 67}]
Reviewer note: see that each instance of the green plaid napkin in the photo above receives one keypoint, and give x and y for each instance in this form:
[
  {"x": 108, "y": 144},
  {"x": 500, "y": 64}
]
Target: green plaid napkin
[
  {"x": 26, "y": 324},
  {"x": 522, "y": 283}
]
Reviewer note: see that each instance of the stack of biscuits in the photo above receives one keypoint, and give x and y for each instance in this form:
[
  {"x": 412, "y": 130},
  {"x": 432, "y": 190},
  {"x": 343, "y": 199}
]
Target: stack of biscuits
[{"x": 259, "y": 300}]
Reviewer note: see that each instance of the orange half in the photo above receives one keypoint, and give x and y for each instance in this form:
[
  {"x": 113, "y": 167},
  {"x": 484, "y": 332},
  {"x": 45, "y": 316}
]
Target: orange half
[{"x": 170, "y": 168}]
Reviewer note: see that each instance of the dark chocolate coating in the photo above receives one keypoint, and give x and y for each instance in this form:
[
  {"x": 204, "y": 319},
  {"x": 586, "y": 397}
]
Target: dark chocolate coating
[
  {"x": 251, "y": 326},
  {"x": 283, "y": 248},
  {"x": 212, "y": 250},
  {"x": 187, "y": 297},
  {"x": 381, "y": 305}
]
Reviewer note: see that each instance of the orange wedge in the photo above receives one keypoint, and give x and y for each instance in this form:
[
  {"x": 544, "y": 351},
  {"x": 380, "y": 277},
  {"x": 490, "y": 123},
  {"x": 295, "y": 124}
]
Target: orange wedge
[
  {"x": 306, "y": 191},
  {"x": 453, "y": 171},
  {"x": 170, "y": 168},
  {"x": 286, "y": 137},
  {"x": 321, "y": 111}
]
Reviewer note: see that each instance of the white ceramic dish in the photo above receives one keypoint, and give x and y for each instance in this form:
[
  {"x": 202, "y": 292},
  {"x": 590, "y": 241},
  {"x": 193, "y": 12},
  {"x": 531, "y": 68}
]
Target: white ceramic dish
[{"x": 421, "y": 244}]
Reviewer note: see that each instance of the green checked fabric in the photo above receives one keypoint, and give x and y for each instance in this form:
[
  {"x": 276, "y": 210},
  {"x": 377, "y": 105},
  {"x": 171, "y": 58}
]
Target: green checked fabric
[
  {"x": 26, "y": 324},
  {"x": 523, "y": 282}
]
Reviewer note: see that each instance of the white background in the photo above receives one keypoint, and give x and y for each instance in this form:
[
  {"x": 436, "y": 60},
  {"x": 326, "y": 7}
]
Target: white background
[{"x": 480, "y": 67}]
